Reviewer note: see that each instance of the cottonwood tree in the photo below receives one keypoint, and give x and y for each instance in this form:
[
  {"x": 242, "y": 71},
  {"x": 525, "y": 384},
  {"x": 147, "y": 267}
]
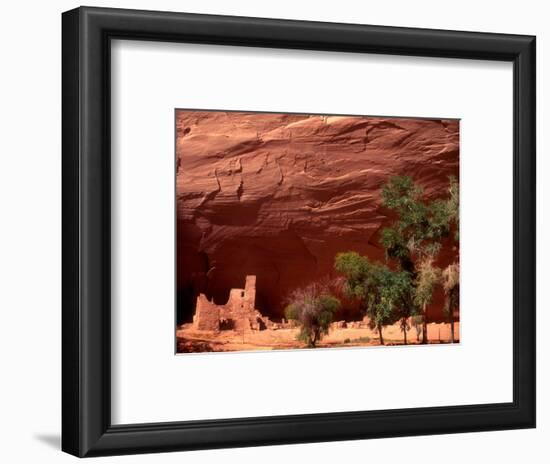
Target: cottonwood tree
[
  {"x": 381, "y": 291},
  {"x": 412, "y": 241},
  {"x": 312, "y": 307}
]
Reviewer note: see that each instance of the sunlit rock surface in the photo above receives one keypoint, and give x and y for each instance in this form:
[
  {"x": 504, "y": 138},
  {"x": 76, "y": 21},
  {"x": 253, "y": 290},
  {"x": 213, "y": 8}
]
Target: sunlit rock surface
[{"x": 278, "y": 196}]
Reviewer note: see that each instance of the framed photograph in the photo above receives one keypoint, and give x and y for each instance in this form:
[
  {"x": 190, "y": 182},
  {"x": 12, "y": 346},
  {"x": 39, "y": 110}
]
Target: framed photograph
[{"x": 284, "y": 231}]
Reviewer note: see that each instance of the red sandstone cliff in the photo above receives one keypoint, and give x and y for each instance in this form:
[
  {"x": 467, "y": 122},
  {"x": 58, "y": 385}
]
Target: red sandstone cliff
[{"x": 279, "y": 195}]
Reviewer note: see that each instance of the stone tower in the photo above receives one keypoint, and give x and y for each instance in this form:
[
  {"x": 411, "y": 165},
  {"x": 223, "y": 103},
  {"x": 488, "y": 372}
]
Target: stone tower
[{"x": 249, "y": 293}]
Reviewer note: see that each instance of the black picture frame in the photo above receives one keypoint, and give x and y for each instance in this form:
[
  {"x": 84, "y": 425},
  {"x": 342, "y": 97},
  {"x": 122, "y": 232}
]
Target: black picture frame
[{"x": 86, "y": 287}]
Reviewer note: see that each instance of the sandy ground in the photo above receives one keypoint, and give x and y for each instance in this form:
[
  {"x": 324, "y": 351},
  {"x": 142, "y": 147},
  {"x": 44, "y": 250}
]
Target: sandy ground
[{"x": 190, "y": 340}]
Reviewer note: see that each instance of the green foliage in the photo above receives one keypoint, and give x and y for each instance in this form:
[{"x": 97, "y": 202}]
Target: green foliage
[
  {"x": 394, "y": 242},
  {"x": 419, "y": 225},
  {"x": 291, "y": 312},
  {"x": 412, "y": 241},
  {"x": 382, "y": 292},
  {"x": 453, "y": 205},
  {"x": 358, "y": 272},
  {"x": 437, "y": 220},
  {"x": 414, "y": 238},
  {"x": 401, "y": 194},
  {"x": 313, "y": 308}
]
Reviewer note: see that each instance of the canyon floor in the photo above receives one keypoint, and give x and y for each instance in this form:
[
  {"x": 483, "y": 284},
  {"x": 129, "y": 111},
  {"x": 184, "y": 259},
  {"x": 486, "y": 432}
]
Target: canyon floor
[{"x": 192, "y": 341}]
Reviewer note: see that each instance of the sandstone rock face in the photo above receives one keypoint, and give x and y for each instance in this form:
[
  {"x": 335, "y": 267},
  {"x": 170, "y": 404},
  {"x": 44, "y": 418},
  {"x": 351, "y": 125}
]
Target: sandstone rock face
[{"x": 278, "y": 195}]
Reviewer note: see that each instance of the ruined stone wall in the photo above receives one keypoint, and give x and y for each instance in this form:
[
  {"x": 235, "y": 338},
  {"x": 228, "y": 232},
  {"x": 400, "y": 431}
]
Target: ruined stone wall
[
  {"x": 207, "y": 315},
  {"x": 238, "y": 313},
  {"x": 235, "y": 301},
  {"x": 240, "y": 304}
]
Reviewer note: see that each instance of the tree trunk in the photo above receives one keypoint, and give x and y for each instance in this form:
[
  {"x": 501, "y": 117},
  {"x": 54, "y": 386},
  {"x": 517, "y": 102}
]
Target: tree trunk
[
  {"x": 380, "y": 334},
  {"x": 313, "y": 341},
  {"x": 424, "y": 325},
  {"x": 404, "y": 326}
]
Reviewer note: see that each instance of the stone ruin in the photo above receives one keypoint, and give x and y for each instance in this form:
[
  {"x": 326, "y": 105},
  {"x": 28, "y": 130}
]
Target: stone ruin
[
  {"x": 362, "y": 324},
  {"x": 237, "y": 314}
]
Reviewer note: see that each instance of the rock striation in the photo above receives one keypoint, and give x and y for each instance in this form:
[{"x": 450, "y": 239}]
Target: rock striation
[{"x": 278, "y": 195}]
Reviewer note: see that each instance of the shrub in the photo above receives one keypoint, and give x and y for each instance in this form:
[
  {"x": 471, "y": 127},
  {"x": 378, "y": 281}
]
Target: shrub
[{"x": 312, "y": 307}]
